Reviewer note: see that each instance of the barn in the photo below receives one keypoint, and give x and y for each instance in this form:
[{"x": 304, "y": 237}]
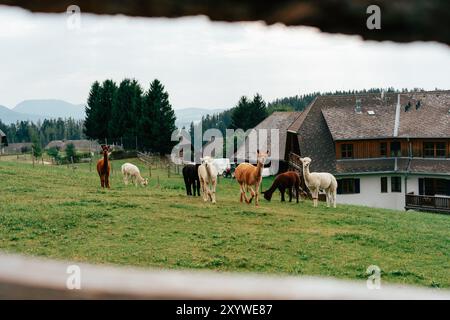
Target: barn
[
  {"x": 3, "y": 141},
  {"x": 279, "y": 121},
  {"x": 81, "y": 145}
]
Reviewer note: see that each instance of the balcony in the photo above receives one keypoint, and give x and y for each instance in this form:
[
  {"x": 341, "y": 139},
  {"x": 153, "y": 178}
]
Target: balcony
[{"x": 439, "y": 204}]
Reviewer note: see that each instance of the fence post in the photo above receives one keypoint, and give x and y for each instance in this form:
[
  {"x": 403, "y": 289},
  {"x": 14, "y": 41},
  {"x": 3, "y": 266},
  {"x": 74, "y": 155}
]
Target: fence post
[
  {"x": 32, "y": 154},
  {"x": 168, "y": 170}
]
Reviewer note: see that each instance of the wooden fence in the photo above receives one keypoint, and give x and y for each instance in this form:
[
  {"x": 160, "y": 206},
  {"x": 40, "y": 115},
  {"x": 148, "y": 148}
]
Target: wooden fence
[
  {"x": 32, "y": 278},
  {"x": 161, "y": 162}
]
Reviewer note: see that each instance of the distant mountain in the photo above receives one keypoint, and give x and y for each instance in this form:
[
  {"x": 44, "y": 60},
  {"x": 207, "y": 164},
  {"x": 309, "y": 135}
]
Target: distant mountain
[
  {"x": 188, "y": 115},
  {"x": 8, "y": 116},
  {"x": 51, "y": 109},
  {"x": 34, "y": 110}
]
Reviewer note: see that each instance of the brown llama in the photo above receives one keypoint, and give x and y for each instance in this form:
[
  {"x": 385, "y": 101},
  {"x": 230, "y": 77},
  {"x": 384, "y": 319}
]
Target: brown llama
[
  {"x": 288, "y": 180},
  {"x": 104, "y": 167},
  {"x": 248, "y": 175}
]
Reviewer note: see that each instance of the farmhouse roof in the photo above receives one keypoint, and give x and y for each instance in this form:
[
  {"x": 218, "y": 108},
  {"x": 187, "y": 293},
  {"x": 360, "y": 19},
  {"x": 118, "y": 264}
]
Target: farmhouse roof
[
  {"x": 347, "y": 117},
  {"x": 419, "y": 115},
  {"x": 277, "y": 120}
]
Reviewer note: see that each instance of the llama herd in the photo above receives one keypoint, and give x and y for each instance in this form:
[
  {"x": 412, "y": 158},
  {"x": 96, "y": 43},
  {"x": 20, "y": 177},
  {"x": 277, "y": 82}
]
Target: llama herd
[
  {"x": 249, "y": 177},
  {"x": 204, "y": 176}
]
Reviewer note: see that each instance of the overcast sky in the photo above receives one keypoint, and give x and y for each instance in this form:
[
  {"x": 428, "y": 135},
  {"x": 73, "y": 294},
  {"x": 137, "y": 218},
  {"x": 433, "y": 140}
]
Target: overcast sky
[{"x": 201, "y": 63}]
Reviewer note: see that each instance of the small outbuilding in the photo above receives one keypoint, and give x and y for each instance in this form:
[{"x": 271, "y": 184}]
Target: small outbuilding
[{"x": 3, "y": 141}]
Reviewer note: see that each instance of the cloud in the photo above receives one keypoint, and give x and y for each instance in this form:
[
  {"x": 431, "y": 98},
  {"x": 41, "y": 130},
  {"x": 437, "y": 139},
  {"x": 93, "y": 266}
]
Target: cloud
[{"x": 202, "y": 63}]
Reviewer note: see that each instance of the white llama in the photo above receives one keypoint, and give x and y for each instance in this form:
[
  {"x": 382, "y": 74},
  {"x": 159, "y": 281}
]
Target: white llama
[
  {"x": 207, "y": 173},
  {"x": 316, "y": 181}
]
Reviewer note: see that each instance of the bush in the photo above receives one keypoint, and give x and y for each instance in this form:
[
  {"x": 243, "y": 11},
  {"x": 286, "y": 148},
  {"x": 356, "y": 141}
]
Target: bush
[
  {"x": 71, "y": 153},
  {"x": 37, "y": 150},
  {"x": 54, "y": 153}
]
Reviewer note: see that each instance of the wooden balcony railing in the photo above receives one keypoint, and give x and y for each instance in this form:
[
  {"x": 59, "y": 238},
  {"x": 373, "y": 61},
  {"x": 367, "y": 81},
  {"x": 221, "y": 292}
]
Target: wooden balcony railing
[{"x": 428, "y": 203}]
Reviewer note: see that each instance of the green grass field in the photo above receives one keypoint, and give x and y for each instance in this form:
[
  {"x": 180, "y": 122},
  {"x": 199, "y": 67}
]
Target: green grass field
[{"x": 60, "y": 212}]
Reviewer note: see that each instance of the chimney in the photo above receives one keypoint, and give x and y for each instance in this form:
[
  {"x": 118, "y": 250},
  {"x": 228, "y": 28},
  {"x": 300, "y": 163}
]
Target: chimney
[
  {"x": 408, "y": 106},
  {"x": 358, "y": 108}
]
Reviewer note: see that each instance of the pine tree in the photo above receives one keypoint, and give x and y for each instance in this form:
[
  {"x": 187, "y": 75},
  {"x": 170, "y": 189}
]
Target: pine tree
[
  {"x": 149, "y": 124},
  {"x": 71, "y": 153},
  {"x": 247, "y": 114},
  {"x": 258, "y": 110},
  {"x": 240, "y": 114},
  {"x": 157, "y": 120},
  {"x": 92, "y": 109},
  {"x": 108, "y": 93},
  {"x": 126, "y": 113},
  {"x": 37, "y": 149}
]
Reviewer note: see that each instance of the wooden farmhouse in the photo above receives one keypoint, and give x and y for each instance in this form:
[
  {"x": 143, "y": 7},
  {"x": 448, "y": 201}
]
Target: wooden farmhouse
[{"x": 387, "y": 150}]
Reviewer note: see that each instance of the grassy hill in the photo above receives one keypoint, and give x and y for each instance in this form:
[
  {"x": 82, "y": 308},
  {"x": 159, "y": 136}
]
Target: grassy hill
[{"x": 60, "y": 212}]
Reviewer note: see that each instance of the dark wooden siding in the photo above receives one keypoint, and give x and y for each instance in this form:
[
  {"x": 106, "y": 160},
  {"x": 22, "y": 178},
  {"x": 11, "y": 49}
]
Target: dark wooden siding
[{"x": 371, "y": 148}]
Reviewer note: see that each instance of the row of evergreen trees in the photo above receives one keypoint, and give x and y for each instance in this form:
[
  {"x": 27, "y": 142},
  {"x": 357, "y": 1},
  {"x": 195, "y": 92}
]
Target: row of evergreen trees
[
  {"x": 125, "y": 114},
  {"x": 43, "y": 132}
]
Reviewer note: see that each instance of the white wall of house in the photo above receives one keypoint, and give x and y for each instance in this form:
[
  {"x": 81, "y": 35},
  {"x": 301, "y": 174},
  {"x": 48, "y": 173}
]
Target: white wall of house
[
  {"x": 371, "y": 196},
  {"x": 413, "y": 184}
]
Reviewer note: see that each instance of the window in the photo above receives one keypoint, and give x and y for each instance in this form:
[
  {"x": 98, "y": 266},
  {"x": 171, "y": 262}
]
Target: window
[
  {"x": 440, "y": 150},
  {"x": 428, "y": 149},
  {"x": 396, "y": 184},
  {"x": 384, "y": 184},
  {"x": 432, "y": 186},
  {"x": 396, "y": 150},
  {"x": 347, "y": 151},
  {"x": 383, "y": 149},
  {"x": 434, "y": 149},
  {"x": 348, "y": 186}
]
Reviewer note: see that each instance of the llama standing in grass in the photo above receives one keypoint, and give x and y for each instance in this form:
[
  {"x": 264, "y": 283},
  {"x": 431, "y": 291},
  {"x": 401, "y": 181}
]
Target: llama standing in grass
[
  {"x": 316, "y": 181},
  {"x": 104, "y": 167},
  {"x": 130, "y": 171},
  {"x": 287, "y": 180},
  {"x": 248, "y": 175},
  {"x": 207, "y": 174},
  {"x": 191, "y": 180}
]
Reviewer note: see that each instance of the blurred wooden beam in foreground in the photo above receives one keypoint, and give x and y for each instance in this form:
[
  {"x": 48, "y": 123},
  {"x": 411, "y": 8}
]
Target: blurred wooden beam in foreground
[
  {"x": 401, "y": 20},
  {"x": 32, "y": 278}
]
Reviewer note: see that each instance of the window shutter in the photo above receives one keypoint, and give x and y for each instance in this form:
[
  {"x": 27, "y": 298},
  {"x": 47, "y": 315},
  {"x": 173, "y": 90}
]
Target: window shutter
[{"x": 357, "y": 186}]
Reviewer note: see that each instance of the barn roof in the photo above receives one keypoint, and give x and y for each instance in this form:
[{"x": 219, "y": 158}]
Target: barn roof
[
  {"x": 277, "y": 120},
  {"x": 82, "y": 144}
]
